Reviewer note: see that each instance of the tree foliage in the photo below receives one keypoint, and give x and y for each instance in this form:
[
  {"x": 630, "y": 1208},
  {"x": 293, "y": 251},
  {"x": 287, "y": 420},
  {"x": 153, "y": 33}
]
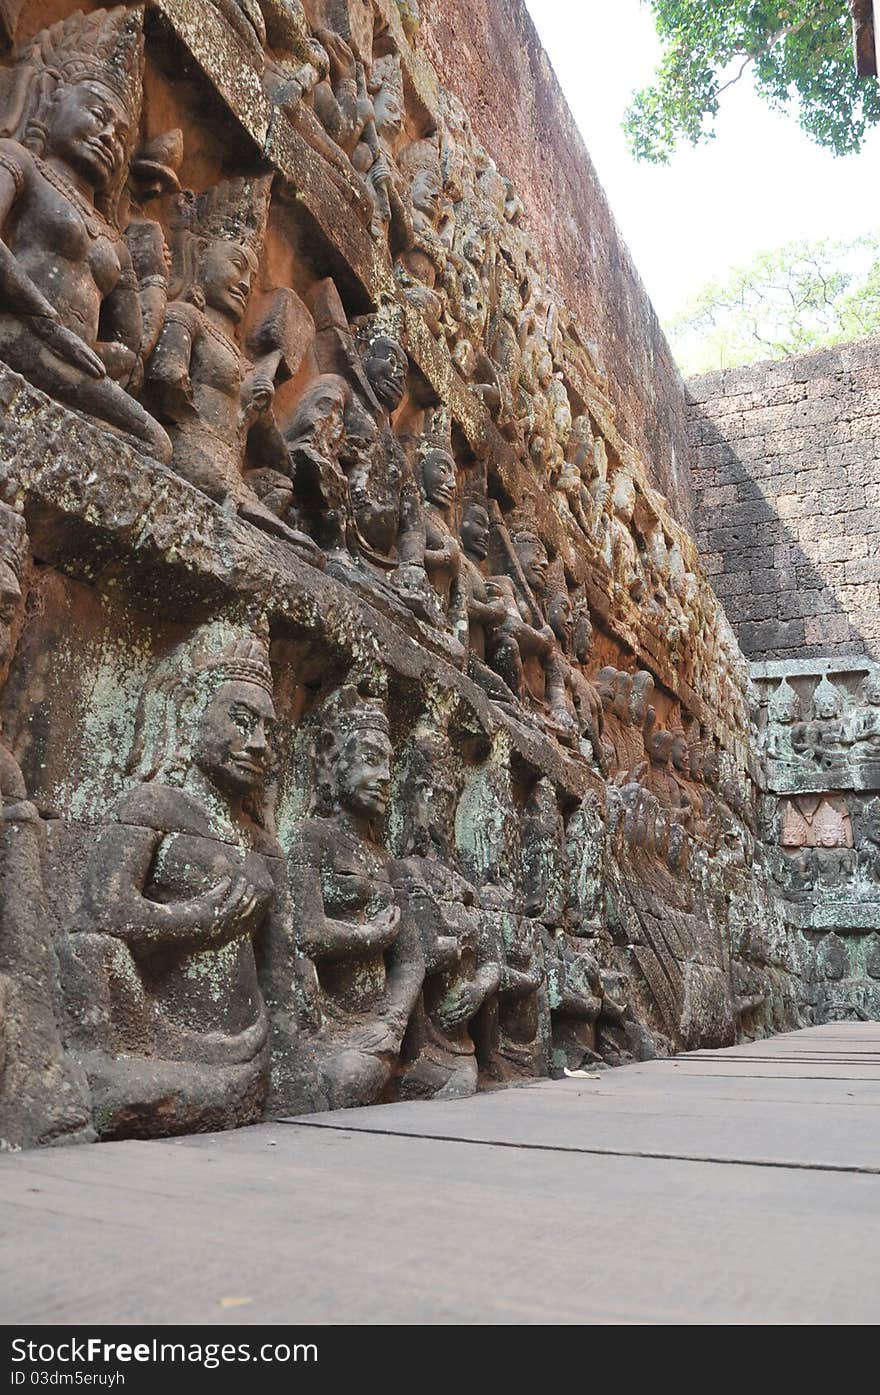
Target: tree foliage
[
  {"x": 804, "y": 295},
  {"x": 800, "y": 56}
]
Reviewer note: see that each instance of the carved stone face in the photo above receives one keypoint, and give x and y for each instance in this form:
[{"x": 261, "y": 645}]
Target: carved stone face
[
  {"x": 427, "y": 191},
  {"x": 438, "y": 475},
  {"x": 680, "y": 753},
  {"x": 869, "y": 690},
  {"x": 475, "y": 532},
  {"x": 364, "y": 773},
  {"x": 660, "y": 747},
  {"x": 388, "y": 106},
  {"x": 534, "y": 561},
  {"x": 559, "y": 617},
  {"x": 320, "y": 416},
  {"x": 226, "y": 271},
  {"x": 88, "y": 130},
  {"x": 385, "y": 365},
  {"x": 232, "y": 745}
]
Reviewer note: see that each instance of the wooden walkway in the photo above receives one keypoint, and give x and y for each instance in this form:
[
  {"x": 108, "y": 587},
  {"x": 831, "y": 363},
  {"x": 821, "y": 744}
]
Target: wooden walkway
[{"x": 736, "y": 1186}]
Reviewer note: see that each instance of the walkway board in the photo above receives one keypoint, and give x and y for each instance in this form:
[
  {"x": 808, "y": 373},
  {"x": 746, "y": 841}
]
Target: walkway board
[{"x": 649, "y": 1194}]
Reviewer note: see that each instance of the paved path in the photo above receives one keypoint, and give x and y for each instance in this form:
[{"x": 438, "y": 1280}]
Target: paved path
[{"x": 738, "y": 1186}]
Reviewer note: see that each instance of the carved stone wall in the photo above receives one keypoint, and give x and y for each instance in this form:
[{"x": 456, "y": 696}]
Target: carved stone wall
[
  {"x": 821, "y": 736},
  {"x": 788, "y": 511},
  {"x": 370, "y": 729}
]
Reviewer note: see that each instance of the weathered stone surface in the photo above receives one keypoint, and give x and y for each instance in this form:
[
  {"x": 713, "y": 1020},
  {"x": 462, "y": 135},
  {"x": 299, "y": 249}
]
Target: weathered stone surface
[{"x": 372, "y": 729}]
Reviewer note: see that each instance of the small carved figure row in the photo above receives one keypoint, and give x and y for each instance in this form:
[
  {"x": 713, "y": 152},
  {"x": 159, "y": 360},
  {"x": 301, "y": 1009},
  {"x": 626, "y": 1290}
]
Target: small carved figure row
[
  {"x": 819, "y": 849},
  {"x": 837, "y": 737}
]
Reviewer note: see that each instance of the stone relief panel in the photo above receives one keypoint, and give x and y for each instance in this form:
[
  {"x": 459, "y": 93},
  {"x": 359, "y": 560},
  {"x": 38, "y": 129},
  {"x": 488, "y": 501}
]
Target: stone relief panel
[{"x": 371, "y": 729}]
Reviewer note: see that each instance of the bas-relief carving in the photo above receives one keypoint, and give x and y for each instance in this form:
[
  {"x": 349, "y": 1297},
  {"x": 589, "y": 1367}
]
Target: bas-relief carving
[
  {"x": 369, "y": 964},
  {"x": 184, "y": 889},
  {"x": 72, "y": 321},
  {"x": 43, "y": 1097},
  {"x": 440, "y": 912},
  {"x": 461, "y": 974}
]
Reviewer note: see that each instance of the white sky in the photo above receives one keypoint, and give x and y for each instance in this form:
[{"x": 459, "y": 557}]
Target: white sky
[{"x": 760, "y": 183}]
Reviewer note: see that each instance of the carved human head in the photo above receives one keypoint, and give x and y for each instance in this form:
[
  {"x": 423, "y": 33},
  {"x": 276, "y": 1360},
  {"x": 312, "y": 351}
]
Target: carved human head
[
  {"x": 226, "y": 271},
  {"x": 606, "y": 686},
  {"x": 77, "y": 97},
  {"x": 560, "y": 616},
  {"x": 210, "y": 709},
  {"x": 420, "y": 163},
  {"x": 432, "y": 788},
  {"x": 386, "y": 85},
  {"x": 785, "y": 705},
  {"x": 475, "y": 531},
  {"x": 533, "y": 559},
  {"x": 827, "y": 701},
  {"x": 438, "y": 477},
  {"x": 829, "y": 827},
  {"x": 354, "y": 756},
  {"x": 232, "y": 742},
  {"x": 869, "y": 689},
  {"x": 88, "y": 129},
  {"x": 660, "y": 746},
  {"x": 319, "y": 418},
  {"x": 385, "y": 364},
  {"x": 217, "y": 240},
  {"x": 582, "y": 637},
  {"x": 679, "y": 752}
]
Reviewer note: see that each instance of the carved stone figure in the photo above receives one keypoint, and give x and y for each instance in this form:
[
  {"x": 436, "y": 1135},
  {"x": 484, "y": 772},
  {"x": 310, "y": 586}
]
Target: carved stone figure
[
  {"x": 784, "y": 713},
  {"x": 864, "y": 733},
  {"x": 438, "y": 1054},
  {"x": 71, "y": 320},
  {"x": 368, "y": 956},
  {"x": 524, "y": 650},
  {"x": 484, "y": 614},
  {"x": 214, "y": 399},
  {"x": 419, "y": 269},
  {"x": 512, "y": 1032},
  {"x": 186, "y": 879},
  {"x": 43, "y": 1097},
  {"x": 443, "y": 553}
]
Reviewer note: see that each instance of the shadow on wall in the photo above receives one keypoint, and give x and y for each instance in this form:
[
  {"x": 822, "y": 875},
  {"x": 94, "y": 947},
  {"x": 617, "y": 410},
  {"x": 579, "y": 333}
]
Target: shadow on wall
[{"x": 787, "y": 486}]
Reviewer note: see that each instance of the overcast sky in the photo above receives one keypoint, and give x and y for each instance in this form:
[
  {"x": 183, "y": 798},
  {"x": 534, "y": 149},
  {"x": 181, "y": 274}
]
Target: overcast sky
[{"x": 758, "y": 184}]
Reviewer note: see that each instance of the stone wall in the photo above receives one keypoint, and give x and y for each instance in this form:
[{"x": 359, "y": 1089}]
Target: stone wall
[
  {"x": 370, "y": 728},
  {"x": 788, "y": 500},
  {"x": 490, "y": 56}
]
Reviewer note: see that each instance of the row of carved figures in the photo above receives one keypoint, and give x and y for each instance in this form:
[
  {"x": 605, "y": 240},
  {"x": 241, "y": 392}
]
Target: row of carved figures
[
  {"x": 411, "y": 921},
  {"x": 821, "y": 848},
  {"x": 153, "y": 324},
  {"x": 836, "y": 737}
]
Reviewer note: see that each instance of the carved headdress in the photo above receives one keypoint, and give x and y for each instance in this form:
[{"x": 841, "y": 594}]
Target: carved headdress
[
  {"x": 827, "y": 699},
  {"x": 181, "y": 686},
  {"x": 105, "y": 47},
  {"x": 352, "y": 709},
  {"x": 785, "y": 705},
  {"x": 236, "y": 210}
]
